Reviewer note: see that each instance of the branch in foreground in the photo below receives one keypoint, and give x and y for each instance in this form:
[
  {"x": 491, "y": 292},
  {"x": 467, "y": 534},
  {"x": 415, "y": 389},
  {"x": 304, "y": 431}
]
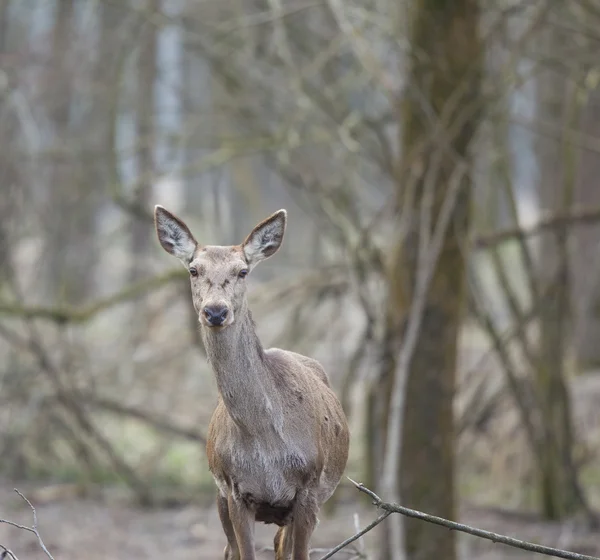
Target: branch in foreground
[
  {"x": 33, "y": 529},
  {"x": 453, "y": 526},
  {"x": 7, "y": 553},
  {"x": 357, "y": 535}
]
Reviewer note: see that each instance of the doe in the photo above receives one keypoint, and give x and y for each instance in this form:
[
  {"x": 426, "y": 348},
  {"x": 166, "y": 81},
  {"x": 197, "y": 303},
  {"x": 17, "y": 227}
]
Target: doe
[{"x": 277, "y": 442}]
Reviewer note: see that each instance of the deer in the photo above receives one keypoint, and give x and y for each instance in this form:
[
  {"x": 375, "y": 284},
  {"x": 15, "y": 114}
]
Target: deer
[{"x": 277, "y": 442}]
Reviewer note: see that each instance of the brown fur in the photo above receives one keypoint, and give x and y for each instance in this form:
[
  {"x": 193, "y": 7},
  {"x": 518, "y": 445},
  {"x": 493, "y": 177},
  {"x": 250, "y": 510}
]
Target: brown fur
[{"x": 278, "y": 439}]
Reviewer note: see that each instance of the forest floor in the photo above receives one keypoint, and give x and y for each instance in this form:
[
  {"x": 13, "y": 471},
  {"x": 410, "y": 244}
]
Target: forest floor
[{"x": 76, "y": 528}]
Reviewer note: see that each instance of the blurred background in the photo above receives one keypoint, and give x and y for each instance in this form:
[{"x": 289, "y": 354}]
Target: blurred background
[{"x": 438, "y": 160}]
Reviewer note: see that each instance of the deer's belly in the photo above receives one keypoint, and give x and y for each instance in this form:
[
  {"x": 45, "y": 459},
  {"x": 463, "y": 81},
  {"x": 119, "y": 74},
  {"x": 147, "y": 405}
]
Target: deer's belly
[{"x": 267, "y": 512}]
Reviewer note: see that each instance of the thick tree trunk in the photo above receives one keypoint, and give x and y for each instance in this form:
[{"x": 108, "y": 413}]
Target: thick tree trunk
[
  {"x": 444, "y": 70},
  {"x": 585, "y": 261},
  {"x": 72, "y": 195},
  {"x": 559, "y": 489},
  {"x": 558, "y": 486}
]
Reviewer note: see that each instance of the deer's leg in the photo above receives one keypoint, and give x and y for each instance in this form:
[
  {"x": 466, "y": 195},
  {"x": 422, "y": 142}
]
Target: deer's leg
[
  {"x": 242, "y": 520},
  {"x": 305, "y": 521},
  {"x": 283, "y": 543},
  {"x": 231, "y": 550}
]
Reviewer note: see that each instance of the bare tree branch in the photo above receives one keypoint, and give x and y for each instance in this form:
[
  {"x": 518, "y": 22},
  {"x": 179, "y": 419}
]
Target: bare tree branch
[
  {"x": 33, "y": 529},
  {"x": 156, "y": 422},
  {"x": 580, "y": 216},
  {"x": 64, "y": 314},
  {"x": 69, "y": 401},
  {"x": 81, "y": 314},
  {"x": 357, "y": 535},
  {"x": 7, "y": 553},
  {"x": 389, "y": 508}
]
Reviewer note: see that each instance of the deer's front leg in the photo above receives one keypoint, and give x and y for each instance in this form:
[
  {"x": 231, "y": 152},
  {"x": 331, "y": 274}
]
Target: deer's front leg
[
  {"x": 305, "y": 521},
  {"x": 242, "y": 520},
  {"x": 231, "y": 550}
]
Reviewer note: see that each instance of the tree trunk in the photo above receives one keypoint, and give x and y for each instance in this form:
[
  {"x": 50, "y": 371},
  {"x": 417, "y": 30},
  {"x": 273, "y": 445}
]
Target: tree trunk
[
  {"x": 445, "y": 68},
  {"x": 145, "y": 119},
  {"x": 585, "y": 263},
  {"x": 196, "y": 94},
  {"x": 59, "y": 217},
  {"x": 558, "y": 486},
  {"x": 9, "y": 171},
  {"x": 91, "y": 174}
]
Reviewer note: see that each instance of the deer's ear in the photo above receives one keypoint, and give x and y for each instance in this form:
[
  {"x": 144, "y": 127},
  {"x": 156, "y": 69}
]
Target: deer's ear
[
  {"x": 174, "y": 236},
  {"x": 265, "y": 239}
]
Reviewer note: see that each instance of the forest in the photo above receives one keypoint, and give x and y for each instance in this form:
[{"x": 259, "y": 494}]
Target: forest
[{"x": 439, "y": 164}]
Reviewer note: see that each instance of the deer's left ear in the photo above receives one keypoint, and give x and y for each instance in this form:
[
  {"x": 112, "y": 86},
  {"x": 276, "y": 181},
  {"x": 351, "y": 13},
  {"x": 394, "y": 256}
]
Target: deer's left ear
[{"x": 265, "y": 239}]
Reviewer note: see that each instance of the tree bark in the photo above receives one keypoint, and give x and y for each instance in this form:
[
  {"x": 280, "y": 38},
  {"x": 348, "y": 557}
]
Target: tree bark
[
  {"x": 444, "y": 70},
  {"x": 558, "y": 484},
  {"x": 585, "y": 261}
]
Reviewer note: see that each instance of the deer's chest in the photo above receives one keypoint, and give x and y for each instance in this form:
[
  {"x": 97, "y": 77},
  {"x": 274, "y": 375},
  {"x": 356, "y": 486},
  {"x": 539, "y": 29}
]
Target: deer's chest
[{"x": 265, "y": 476}]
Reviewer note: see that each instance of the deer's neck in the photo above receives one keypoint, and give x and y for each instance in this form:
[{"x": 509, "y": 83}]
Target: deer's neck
[{"x": 243, "y": 379}]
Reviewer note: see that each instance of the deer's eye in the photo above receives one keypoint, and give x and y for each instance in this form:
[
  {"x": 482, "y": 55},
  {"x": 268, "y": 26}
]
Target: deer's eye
[
  {"x": 193, "y": 272},
  {"x": 243, "y": 273}
]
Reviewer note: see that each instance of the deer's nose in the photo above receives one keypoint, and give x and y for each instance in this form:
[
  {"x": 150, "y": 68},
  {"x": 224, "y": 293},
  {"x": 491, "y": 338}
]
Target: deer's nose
[{"x": 215, "y": 314}]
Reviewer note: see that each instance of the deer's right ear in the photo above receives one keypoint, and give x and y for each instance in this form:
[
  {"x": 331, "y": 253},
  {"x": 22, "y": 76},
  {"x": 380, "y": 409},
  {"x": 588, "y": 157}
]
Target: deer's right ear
[{"x": 174, "y": 236}]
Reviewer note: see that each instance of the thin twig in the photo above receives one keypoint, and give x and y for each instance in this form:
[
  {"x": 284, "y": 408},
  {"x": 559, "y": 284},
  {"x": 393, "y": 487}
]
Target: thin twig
[
  {"x": 357, "y": 535},
  {"x": 389, "y": 508},
  {"x": 7, "y": 553},
  {"x": 33, "y": 529}
]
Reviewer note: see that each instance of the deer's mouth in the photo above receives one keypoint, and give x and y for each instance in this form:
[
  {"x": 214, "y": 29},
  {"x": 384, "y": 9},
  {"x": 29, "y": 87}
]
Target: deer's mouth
[{"x": 216, "y": 328}]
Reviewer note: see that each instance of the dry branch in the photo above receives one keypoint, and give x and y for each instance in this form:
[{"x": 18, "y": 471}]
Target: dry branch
[
  {"x": 357, "y": 535},
  {"x": 70, "y": 403},
  {"x": 7, "y": 553},
  {"x": 578, "y": 216},
  {"x": 390, "y": 508},
  {"x": 323, "y": 279},
  {"x": 156, "y": 422},
  {"x": 64, "y": 314},
  {"x": 33, "y": 529}
]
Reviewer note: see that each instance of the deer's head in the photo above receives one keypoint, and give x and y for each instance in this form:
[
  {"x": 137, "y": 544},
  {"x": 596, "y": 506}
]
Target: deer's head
[{"x": 218, "y": 273}]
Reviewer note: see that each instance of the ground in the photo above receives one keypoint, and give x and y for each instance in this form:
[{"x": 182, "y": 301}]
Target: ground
[{"x": 98, "y": 529}]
